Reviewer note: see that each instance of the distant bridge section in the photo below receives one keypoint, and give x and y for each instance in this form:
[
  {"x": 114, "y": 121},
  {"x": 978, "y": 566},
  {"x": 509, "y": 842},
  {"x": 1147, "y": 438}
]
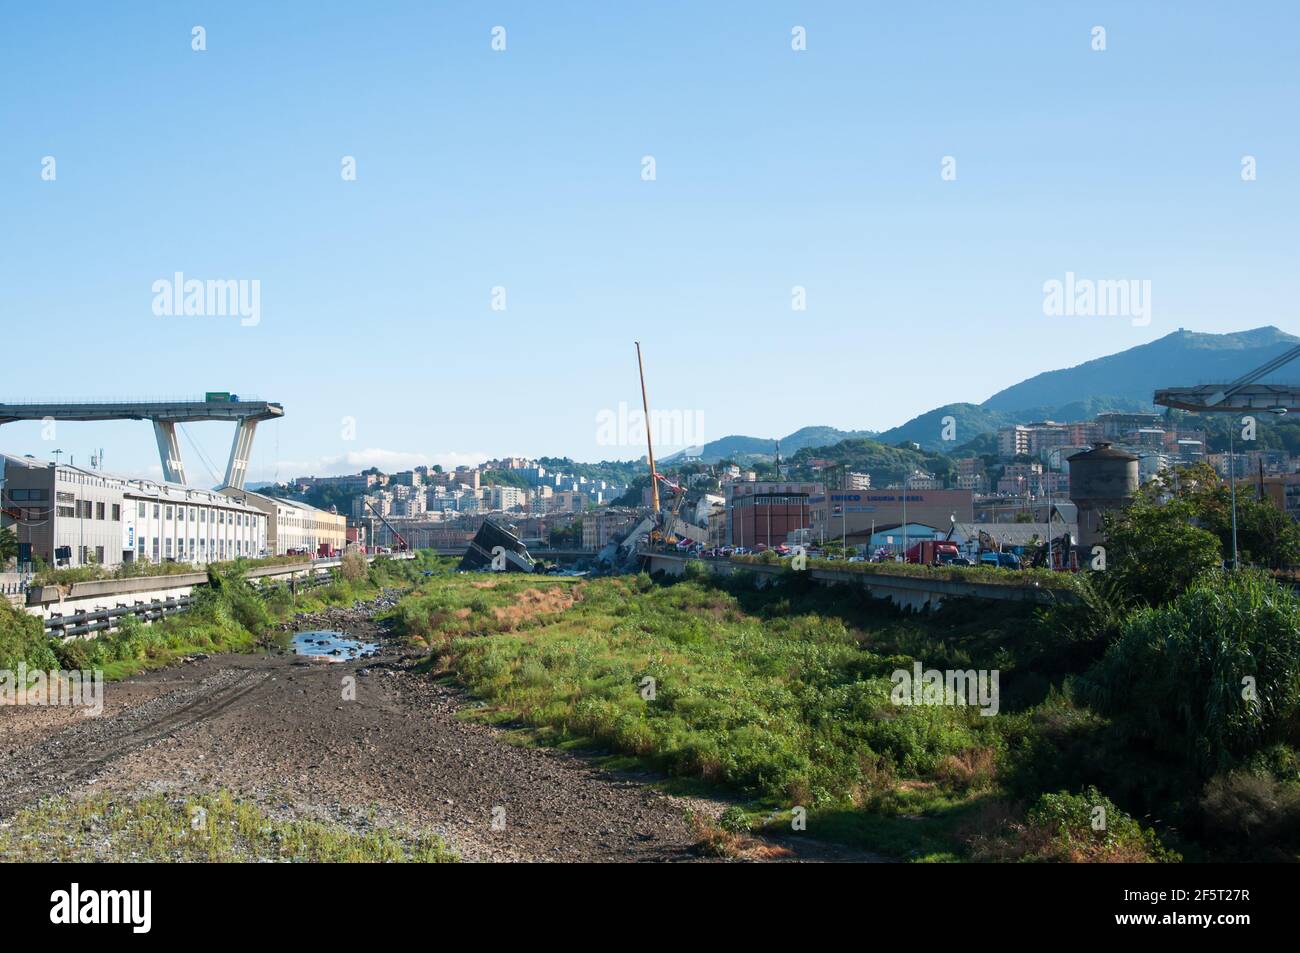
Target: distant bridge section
[
  {"x": 1215, "y": 397},
  {"x": 1245, "y": 393},
  {"x": 165, "y": 415}
]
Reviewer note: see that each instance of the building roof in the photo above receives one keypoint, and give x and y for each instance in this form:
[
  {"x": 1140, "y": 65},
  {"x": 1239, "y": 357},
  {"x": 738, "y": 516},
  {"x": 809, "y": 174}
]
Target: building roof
[
  {"x": 1013, "y": 534},
  {"x": 1102, "y": 451},
  {"x": 279, "y": 501},
  {"x": 132, "y": 486}
]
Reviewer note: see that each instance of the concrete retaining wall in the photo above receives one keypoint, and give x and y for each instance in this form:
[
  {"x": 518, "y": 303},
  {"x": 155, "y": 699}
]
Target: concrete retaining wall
[{"x": 109, "y": 593}]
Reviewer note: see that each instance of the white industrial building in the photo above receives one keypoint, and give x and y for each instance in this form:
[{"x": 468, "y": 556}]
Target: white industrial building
[{"x": 70, "y": 516}]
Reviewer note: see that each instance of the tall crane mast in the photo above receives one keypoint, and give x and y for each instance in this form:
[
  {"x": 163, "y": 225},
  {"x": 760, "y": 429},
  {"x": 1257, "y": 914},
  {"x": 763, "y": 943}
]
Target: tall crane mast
[{"x": 649, "y": 444}]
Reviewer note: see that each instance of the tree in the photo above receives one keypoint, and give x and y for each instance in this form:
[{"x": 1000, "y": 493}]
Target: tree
[
  {"x": 1154, "y": 552},
  {"x": 8, "y": 545},
  {"x": 1265, "y": 535}
]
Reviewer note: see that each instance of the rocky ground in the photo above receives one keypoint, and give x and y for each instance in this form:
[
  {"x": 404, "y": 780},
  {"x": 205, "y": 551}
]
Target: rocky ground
[{"x": 363, "y": 744}]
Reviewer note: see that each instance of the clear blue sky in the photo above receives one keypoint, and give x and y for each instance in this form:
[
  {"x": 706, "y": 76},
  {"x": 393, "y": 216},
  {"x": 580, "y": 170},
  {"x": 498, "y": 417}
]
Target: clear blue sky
[{"x": 523, "y": 169}]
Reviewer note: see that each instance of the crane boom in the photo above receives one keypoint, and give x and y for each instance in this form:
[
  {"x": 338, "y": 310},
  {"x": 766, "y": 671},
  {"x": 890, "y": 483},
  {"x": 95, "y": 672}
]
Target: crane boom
[{"x": 393, "y": 529}]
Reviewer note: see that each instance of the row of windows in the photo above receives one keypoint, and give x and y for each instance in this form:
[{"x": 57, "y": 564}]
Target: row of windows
[
  {"x": 33, "y": 496},
  {"x": 219, "y": 517},
  {"x": 198, "y": 548},
  {"x": 92, "y": 510}
]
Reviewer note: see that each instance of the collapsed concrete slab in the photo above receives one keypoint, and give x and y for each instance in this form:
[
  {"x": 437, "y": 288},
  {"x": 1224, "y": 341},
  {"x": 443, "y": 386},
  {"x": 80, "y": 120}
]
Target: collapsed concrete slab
[{"x": 496, "y": 548}]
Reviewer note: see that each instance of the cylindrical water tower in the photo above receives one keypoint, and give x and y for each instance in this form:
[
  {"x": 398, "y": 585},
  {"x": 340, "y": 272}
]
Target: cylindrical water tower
[{"x": 1101, "y": 479}]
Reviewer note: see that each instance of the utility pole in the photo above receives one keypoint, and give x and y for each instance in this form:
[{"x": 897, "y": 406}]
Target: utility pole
[
  {"x": 1232, "y": 483},
  {"x": 904, "y": 519}
]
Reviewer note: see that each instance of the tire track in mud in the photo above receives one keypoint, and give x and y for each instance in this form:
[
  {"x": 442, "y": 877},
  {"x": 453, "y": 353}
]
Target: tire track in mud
[{"x": 81, "y": 751}]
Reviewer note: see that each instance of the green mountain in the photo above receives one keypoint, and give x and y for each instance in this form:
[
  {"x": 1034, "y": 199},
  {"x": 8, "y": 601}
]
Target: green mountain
[
  {"x": 933, "y": 430},
  {"x": 1183, "y": 358},
  {"x": 741, "y": 449},
  {"x": 1119, "y": 382}
]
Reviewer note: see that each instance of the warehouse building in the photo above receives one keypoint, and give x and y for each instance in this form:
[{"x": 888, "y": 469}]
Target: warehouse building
[
  {"x": 69, "y": 516},
  {"x": 859, "y": 514},
  {"x": 294, "y": 527}
]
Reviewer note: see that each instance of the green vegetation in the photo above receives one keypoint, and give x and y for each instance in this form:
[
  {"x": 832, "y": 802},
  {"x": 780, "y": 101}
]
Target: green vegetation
[
  {"x": 503, "y": 478},
  {"x": 1155, "y": 530},
  {"x": 886, "y": 464},
  {"x": 209, "y": 828},
  {"x": 615, "y": 471},
  {"x": 1209, "y": 678},
  {"x": 22, "y": 639},
  {"x": 1071, "y": 828},
  {"x": 1169, "y": 711},
  {"x": 230, "y": 614}
]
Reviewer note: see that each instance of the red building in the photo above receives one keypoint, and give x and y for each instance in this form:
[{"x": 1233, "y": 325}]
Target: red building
[{"x": 765, "y": 512}]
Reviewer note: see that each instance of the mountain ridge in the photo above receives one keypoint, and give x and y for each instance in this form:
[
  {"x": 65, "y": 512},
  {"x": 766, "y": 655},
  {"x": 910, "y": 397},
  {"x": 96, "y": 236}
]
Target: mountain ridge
[{"x": 1124, "y": 381}]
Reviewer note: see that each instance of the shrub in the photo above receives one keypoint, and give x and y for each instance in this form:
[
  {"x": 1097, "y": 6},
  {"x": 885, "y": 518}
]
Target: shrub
[
  {"x": 1212, "y": 677},
  {"x": 23, "y": 639},
  {"x": 1070, "y": 828},
  {"x": 1244, "y": 809},
  {"x": 353, "y": 566}
]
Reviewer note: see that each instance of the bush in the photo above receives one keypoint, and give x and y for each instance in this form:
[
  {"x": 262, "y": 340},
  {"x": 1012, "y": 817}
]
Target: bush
[
  {"x": 238, "y": 599},
  {"x": 1212, "y": 677},
  {"x": 353, "y": 566},
  {"x": 1242, "y": 809},
  {"x": 23, "y": 639},
  {"x": 1071, "y": 828}
]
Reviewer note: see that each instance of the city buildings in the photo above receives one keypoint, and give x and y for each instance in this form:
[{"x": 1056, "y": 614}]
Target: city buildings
[{"x": 602, "y": 526}]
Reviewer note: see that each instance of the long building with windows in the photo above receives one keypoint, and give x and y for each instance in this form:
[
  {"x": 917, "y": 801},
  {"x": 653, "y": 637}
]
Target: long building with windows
[
  {"x": 295, "y": 527},
  {"x": 70, "y": 516}
]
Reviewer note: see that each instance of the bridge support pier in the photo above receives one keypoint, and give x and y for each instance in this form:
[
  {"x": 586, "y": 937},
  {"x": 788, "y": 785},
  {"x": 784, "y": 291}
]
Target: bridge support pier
[
  {"x": 169, "y": 450},
  {"x": 241, "y": 449}
]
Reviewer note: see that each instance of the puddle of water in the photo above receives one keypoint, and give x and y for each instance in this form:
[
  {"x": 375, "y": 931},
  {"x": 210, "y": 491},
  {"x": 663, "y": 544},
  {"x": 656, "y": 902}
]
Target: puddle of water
[{"x": 331, "y": 646}]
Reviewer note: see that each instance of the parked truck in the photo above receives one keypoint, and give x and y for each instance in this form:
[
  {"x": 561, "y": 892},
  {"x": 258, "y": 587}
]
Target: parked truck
[{"x": 933, "y": 552}]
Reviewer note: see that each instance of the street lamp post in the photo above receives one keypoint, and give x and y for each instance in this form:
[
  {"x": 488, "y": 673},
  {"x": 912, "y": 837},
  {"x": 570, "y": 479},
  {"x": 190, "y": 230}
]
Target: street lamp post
[
  {"x": 1048, "y": 481},
  {"x": 1232, "y": 487},
  {"x": 1231, "y": 480}
]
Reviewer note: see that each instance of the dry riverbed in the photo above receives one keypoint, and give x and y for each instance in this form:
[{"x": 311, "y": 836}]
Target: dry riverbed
[{"x": 362, "y": 745}]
